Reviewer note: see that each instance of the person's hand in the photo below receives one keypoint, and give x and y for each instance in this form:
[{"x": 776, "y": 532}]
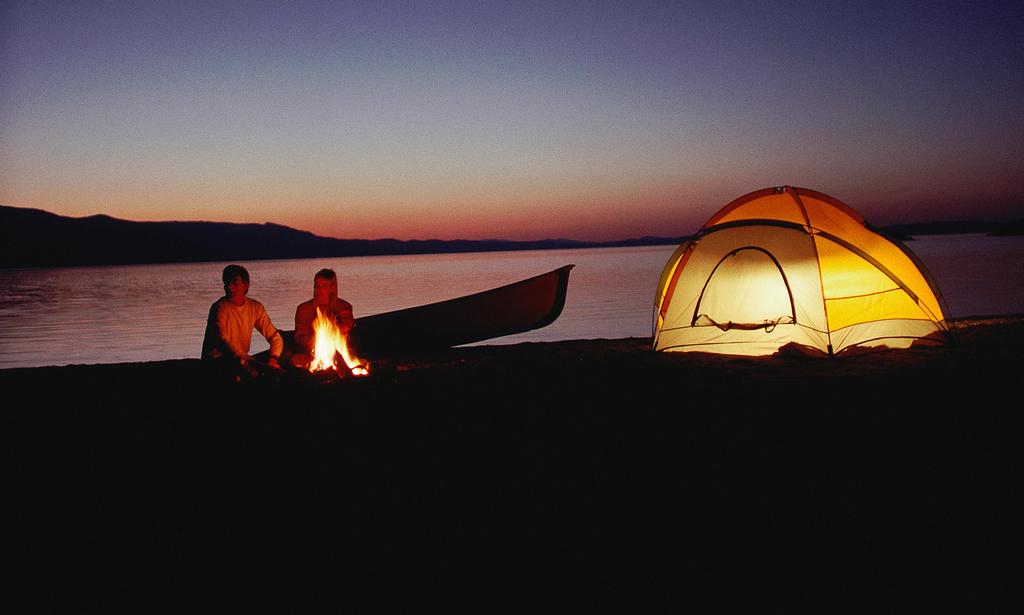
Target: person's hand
[
  {"x": 249, "y": 370},
  {"x": 273, "y": 363}
]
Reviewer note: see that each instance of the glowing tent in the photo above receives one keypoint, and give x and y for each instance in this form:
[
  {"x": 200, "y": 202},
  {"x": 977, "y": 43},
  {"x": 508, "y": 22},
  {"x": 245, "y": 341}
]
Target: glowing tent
[{"x": 790, "y": 265}]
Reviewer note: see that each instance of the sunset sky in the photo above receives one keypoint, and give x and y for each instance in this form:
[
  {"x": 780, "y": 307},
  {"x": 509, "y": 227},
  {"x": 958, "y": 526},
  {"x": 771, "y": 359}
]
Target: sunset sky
[{"x": 514, "y": 120}]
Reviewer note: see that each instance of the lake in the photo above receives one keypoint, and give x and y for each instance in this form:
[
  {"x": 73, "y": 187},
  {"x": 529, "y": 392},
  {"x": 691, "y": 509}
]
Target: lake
[{"x": 85, "y": 315}]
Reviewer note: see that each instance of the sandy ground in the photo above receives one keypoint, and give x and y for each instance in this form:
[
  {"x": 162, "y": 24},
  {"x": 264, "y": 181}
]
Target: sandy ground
[{"x": 884, "y": 475}]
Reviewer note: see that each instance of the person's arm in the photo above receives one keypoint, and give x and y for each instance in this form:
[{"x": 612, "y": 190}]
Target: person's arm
[
  {"x": 264, "y": 325},
  {"x": 276, "y": 348},
  {"x": 343, "y": 316},
  {"x": 303, "y": 329},
  {"x": 227, "y": 335}
]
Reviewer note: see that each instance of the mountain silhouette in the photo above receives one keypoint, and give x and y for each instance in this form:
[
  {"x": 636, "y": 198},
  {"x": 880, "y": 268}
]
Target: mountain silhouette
[{"x": 37, "y": 238}]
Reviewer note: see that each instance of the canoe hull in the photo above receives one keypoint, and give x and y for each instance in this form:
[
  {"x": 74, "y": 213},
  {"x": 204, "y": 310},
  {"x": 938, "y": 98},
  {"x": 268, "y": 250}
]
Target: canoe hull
[{"x": 515, "y": 308}]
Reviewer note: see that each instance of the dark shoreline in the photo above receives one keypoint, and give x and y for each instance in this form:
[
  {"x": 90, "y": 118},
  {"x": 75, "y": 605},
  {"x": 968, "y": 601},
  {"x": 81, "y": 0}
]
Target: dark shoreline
[
  {"x": 586, "y": 458},
  {"x": 33, "y": 238}
]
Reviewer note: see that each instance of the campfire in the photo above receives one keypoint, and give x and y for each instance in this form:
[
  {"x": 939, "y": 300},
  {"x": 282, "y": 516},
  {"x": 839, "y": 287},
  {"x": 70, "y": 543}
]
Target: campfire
[{"x": 329, "y": 343}]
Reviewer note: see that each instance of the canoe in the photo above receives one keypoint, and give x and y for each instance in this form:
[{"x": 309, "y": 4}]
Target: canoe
[{"x": 514, "y": 308}]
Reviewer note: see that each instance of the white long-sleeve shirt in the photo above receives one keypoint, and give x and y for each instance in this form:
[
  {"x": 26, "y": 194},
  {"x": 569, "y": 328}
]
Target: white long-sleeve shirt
[{"x": 229, "y": 329}]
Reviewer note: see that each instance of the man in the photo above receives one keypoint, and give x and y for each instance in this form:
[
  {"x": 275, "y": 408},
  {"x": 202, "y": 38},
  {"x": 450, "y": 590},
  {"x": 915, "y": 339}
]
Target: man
[{"x": 231, "y": 321}]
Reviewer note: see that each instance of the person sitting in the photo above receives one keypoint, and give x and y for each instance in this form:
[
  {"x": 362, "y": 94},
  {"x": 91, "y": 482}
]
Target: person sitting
[
  {"x": 230, "y": 323},
  {"x": 325, "y": 299}
]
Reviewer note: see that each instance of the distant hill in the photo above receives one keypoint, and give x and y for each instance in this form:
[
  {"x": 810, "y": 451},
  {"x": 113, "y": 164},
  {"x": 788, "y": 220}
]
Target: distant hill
[
  {"x": 1014, "y": 227},
  {"x": 36, "y": 238}
]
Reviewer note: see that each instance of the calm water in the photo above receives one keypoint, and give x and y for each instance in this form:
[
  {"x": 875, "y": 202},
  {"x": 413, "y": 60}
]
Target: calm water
[{"x": 156, "y": 312}]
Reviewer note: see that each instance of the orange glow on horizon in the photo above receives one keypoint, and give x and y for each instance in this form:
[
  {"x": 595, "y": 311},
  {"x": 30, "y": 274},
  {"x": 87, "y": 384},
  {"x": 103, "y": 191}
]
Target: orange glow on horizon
[{"x": 578, "y": 210}]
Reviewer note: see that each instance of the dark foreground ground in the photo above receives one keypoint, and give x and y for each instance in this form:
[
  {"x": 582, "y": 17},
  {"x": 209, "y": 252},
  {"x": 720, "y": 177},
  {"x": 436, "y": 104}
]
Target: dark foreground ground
[{"x": 889, "y": 477}]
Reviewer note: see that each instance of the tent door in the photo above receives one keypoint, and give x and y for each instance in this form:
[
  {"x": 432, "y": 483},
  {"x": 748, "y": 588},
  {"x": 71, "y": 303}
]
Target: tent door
[{"x": 747, "y": 289}]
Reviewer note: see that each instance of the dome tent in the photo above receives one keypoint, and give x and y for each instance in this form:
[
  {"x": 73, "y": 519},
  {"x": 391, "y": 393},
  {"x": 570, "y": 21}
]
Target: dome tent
[{"x": 790, "y": 265}]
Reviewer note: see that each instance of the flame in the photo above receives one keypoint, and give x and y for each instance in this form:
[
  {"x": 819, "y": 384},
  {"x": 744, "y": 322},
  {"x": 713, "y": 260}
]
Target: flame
[{"x": 328, "y": 341}]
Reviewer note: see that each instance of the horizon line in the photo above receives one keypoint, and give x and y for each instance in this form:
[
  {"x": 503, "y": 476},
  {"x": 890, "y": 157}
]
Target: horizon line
[{"x": 939, "y": 221}]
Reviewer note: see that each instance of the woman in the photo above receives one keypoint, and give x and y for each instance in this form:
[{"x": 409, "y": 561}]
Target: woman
[{"x": 325, "y": 299}]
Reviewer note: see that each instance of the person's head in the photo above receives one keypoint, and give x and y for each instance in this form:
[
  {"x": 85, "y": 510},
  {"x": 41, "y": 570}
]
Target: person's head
[
  {"x": 325, "y": 287},
  {"x": 236, "y": 283}
]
